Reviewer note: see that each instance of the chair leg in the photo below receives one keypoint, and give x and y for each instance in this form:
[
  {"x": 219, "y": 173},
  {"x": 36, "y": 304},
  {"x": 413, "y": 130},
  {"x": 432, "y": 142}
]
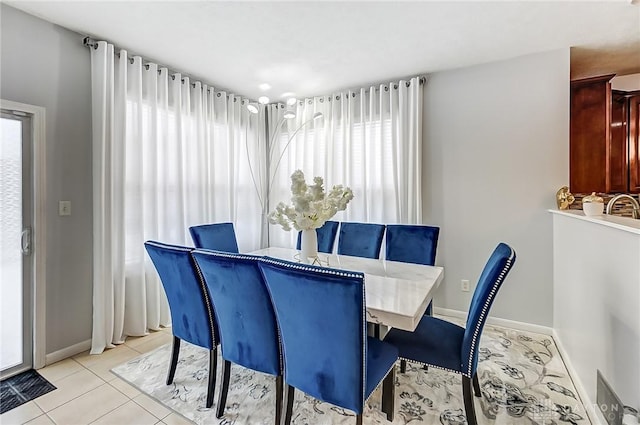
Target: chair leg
[
  {"x": 175, "y": 351},
  {"x": 359, "y": 419},
  {"x": 213, "y": 361},
  {"x": 468, "y": 401},
  {"x": 224, "y": 389},
  {"x": 403, "y": 366},
  {"x": 289, "y": 395},
  {"x": 389, "y": 394},
  {"x": 476, "y": 385},
  {"x": 279, "y": 382}
]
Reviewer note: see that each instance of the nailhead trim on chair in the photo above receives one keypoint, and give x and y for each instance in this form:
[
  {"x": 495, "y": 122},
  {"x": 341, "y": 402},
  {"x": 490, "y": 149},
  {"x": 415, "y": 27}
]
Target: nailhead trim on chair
[
  {"x": 227, "y": 254},
  {"x": 485, "y": 308},
  {"x": 430, "y": 365},
  {"x": 336, "y": 272},
  {"x": 315, "y": 269},
  {"x": 200, "y": 281},
  {"x": 208, "y": 302},
  {"x": 364, "y": 344},
  {"x": 379, "y": 383}
]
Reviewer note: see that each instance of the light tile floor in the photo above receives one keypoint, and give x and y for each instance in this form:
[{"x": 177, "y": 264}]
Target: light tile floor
[{"x": 88, "y": 393}]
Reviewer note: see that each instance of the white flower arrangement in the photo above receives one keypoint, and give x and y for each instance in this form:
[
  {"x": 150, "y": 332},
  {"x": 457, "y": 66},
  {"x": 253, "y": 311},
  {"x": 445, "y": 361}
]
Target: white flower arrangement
[{"x": 310, "y": 206}]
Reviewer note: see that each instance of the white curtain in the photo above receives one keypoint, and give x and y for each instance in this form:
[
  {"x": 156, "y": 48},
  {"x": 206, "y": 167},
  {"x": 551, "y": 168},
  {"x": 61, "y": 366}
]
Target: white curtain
[
  {"x": 369, "y": 140},
  {"x": 168, "y": 153}
]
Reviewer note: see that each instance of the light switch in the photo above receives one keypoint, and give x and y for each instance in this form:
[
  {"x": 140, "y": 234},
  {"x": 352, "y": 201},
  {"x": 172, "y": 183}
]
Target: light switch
[{"x": 64, "y": 208}]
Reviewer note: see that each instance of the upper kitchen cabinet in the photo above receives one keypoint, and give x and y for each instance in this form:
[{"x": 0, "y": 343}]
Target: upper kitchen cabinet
[
  {"x": 618, "y": 153},
  {"x": 589, "y": 137},
  {"x": 633, "y": 103},
  {"x": 603, "y": 148}
]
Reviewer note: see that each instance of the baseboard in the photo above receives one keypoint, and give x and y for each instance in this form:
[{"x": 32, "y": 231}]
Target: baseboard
[
  {"x": 594, "y": 414},
  {"x": 513, "y": 324},
  {"x": 56, "y": 356}
]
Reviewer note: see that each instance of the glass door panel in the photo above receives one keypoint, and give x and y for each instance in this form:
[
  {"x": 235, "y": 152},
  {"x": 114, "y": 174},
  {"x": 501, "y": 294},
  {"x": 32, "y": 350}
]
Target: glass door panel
[{"x": 15, "y": 243}]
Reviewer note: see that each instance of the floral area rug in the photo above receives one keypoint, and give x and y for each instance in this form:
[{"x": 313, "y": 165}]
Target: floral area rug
[{"x": 522, "y": 377}]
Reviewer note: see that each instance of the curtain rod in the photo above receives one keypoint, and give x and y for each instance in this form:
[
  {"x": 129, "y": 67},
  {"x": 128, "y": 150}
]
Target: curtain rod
[
  {"x": 91, "y": 43},
  {"x": 354, "y": 92}
]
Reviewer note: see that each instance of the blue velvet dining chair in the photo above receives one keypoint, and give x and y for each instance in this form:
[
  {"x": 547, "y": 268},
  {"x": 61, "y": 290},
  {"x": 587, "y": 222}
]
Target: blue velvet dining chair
[
  {"x": 245, "y": 317},
  {"x": 411, "y": 243},
  {"x": 192, "y": 317},
  {"x": 360, "y": 239},
  {"x": 326, "y": 237},
  {"x": 447, "y": 346},
  {"x": 218, "y": 236},
  {"x": 327, "y": 354}
]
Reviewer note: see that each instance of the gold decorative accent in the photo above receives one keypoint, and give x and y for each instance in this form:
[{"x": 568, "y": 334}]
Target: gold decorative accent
[
  {"x": 564, "y": 198},
  {"x": 317, "y": 261}
]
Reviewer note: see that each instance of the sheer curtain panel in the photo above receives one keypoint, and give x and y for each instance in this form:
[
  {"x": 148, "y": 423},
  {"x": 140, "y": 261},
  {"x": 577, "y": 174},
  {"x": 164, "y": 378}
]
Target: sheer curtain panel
[
  {"x": 168, "y": 153},
  {"x": 370, "y": 140}
]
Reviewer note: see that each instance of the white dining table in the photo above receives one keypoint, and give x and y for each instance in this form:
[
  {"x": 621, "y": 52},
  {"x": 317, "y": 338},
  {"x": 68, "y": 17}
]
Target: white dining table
[{"x": 397, "y": 294}]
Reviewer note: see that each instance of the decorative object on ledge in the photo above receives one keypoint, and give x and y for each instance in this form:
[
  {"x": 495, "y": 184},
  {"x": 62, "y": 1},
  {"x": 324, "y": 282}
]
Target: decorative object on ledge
[
  {"x": 310, "y": 208},
  {"x": 564, "y": 198},
  {"x": 593, "y": 205}
]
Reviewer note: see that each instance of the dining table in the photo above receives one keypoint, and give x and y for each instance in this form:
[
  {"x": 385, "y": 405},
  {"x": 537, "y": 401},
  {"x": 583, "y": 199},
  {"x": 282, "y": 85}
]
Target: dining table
[{"x": 397, "y": 293}]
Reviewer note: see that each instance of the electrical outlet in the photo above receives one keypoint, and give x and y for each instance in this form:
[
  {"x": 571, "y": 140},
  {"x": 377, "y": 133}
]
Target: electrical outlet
[
  {"x": 64, "y": 208},
  {"x": 464, "y": 285}
]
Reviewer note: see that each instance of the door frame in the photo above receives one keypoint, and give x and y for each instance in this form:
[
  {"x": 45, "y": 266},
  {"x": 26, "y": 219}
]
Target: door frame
[{"x": 39, "y": 299}]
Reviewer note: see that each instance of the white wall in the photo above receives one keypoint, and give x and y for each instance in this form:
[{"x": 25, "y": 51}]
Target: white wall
[
  {"x": 496, "y": 151},
  {"x": 597, "y": 304},
  {"x": 46, "y": 65}
]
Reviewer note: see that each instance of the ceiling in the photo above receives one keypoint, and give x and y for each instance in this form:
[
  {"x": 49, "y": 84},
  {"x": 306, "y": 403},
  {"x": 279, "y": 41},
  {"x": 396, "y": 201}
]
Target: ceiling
[{"x": 308, "y": 48}]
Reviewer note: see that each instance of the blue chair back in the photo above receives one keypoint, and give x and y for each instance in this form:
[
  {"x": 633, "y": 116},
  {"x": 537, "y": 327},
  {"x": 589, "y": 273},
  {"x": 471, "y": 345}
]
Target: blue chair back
[
  {"x": 321, "y": 316},
  {"x": 493, "y": 274},
  {"x": 326, "y": 236},
  {"x": 192, "y": 317},
  {"x": 218, "y": 236},
  {"x": 243, "y": 310},
  {"x": 360, "y": 239},
  {"x": 412, "y": 243}
]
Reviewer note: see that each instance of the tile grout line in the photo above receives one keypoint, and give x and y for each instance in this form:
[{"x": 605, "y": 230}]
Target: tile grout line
[
  {"x": 78, "y": 396},
  {"x": 57, "y": 388}
]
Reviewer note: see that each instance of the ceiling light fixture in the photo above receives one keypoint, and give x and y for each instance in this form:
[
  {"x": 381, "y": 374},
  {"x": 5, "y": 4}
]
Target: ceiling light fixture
[
  {"x": 291, "y": 101},
  {"x": 263, "y": 100}
]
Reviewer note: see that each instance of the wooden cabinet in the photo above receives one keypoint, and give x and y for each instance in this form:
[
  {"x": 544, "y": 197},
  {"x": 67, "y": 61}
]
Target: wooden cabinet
[
  {"x": 589, "y": 135},
  {"x": 634, "y": 142},
  {"x": 604, "y": 151},
  {"x": 618, "y": 149}
]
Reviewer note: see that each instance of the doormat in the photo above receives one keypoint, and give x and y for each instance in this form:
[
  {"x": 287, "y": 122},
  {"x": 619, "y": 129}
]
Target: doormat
[{"x": 22, "y": 388}]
